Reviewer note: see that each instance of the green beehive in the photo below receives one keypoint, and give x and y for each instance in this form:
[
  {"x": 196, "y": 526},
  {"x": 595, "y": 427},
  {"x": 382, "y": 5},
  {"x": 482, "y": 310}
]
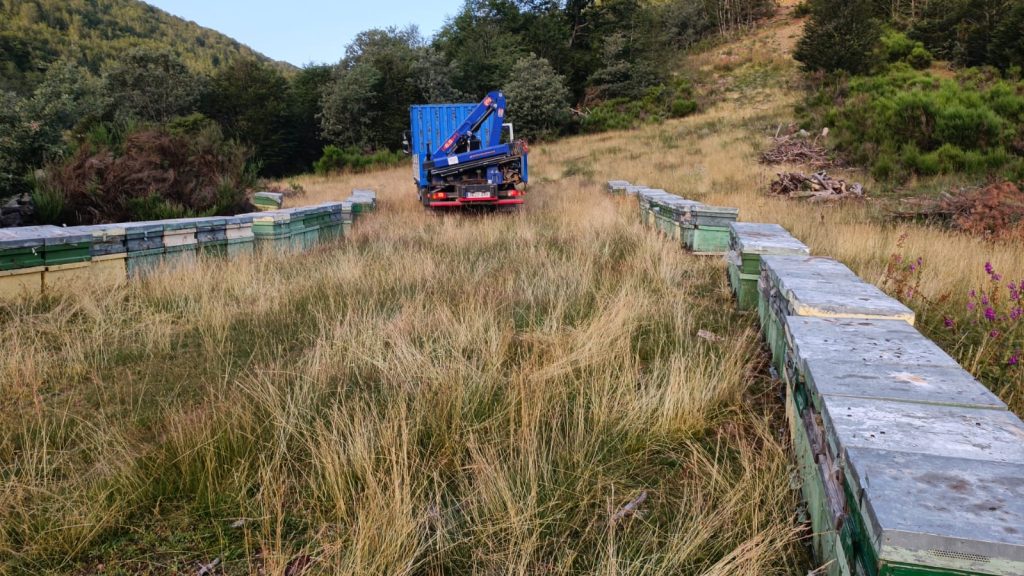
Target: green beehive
[
  {"x": 347, "y": 218},
  {"x": 363, "y": 200},
  {"x": 747, "y": 243},
  {"x": 212, "y": 236},
  {"x": 273, "y": 231},
  {"x": 21, "y": 249},
  {"x": 240, "y": 238},
  {"x": 62, "y": 245},
  {"x": 268, "y": 200},
  {"x": 705, "y": 228},
  {"x": 330, "y": 221},
  {"x": 141, "y": 263}
]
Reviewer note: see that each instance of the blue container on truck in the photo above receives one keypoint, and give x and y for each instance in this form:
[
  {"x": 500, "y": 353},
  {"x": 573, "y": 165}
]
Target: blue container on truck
[{"x": 466, "y": 154}]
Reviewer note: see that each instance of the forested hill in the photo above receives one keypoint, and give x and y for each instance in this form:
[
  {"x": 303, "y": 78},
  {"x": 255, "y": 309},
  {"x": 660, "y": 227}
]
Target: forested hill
[{"x": 35, "y": 33}]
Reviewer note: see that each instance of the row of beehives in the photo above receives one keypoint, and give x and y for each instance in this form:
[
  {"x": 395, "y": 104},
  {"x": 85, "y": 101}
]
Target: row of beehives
[
  {"x": 908, "y": 464},
  {"x": 700, "y": 228},
  {"x": 38, "y": 258}
]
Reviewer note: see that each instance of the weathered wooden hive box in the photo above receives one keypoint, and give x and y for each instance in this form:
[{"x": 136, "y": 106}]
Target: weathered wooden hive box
[
  {"x": 908, "y": 464},
  {"x": 705, "y": 229},
  {"x": 747, "y": 243},
  {"x": 816, "y": 287}
]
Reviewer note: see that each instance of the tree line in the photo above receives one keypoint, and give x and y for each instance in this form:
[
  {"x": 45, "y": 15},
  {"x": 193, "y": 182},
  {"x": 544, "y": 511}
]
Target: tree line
[{"x": 566, "y": 65}]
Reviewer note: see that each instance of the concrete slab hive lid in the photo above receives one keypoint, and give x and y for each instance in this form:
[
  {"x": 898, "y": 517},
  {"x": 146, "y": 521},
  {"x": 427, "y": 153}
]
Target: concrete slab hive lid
[
  {"x": 274, "y": 197},
  {"x": 778, "y": 267},
  {"x": 240, "y": 219},
  {"x": 25, "y": 237},
  {"x": 856, "y": 340},
  {"x": 931, "y": 510},
  {"x": 53, "y": 235},
  {"x": 134, "y": 229},
  {"x": 841, "y": 298},
  {"x": 754, "y": 238},
  {"x": 614, "y": 185},
  {"x": 100, "y": 231},
  {"x": 954, "y": 431},
  {"x": 926, "y": 379},
  {"x": 725, "y": 211}
]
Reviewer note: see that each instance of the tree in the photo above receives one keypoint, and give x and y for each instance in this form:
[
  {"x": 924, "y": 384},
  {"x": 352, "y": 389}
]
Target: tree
[
  {"x": 840, "y": 35},
  {"x": 306, "y": 95},
  {"x": 250, "y": 100},
  {"x": 151, "y": 84},
  {"x": 367, "y": 103},
  {"x": 538, "y": 98}
]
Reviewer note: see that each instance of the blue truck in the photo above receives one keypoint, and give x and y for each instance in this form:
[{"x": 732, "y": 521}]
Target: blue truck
[{"x": 463, "y": 157}]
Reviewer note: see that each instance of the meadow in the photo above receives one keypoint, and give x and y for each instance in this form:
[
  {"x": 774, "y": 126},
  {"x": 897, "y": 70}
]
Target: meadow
[
  {"x": 448, "y": 393},
  {"x": 435, "y": 394}
]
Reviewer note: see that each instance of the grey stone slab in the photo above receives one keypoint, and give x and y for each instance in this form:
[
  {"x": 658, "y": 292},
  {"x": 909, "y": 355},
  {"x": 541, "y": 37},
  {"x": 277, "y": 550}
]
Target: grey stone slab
[
  {"x": 941, "y": 511},
  {"x": 756, "y": 238},
  {"x": 863, "y": 341},
  {"x": 615, "y": 185},
  {"x": 25, "y": 236},
  {"x": 953, "y": 431},
  {"x": 928, "y": 379},
  {"x": 778, "y": 267},
  {"x": 841, "y": 298}
]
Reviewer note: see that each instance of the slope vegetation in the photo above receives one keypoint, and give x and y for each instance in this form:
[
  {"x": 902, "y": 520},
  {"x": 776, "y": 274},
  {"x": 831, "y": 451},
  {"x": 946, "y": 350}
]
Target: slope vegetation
[{"x": 35, "y": 33}]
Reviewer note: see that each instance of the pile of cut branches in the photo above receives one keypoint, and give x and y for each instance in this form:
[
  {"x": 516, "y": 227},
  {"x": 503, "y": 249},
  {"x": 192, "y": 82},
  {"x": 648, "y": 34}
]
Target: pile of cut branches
[
  {"x": 798, "y": 149},
  {"x": 995, "y": 211},
  {"x": 817, "y": 187}
]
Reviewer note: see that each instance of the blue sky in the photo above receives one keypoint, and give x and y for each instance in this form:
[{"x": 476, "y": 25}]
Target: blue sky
[{"x": 304, "y": 31}]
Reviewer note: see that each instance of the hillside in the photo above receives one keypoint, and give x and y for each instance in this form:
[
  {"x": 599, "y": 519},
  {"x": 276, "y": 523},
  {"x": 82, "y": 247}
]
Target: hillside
[{"x": 35, "y": 33}]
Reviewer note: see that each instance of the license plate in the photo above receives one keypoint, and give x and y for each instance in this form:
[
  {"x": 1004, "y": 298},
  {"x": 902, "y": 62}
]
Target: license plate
[{"x": 478, "y": 195}]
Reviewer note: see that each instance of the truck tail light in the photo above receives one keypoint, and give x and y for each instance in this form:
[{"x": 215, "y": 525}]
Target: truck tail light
[{"x": 438, "y": 196}]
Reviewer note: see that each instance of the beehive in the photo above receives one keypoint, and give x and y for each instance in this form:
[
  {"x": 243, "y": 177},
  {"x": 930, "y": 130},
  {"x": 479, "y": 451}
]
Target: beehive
[
  {"x": 617, "y": 186},
  {"x": 934, "y": 514},
  {"x": 272, "y": 231},
  {"x": 816, "y": 287},
  {"x": 268, "y": 200},
  {"x": 180, "y": 242},
  {"x": 20, "y": 249},
  {"x": 240, "y": 238},
  {"x": 705, "y": 229},
  {"x": 21, "y": 282},
  {"x": 747, "y": 243},
  {"x": 212, "y": 236}
]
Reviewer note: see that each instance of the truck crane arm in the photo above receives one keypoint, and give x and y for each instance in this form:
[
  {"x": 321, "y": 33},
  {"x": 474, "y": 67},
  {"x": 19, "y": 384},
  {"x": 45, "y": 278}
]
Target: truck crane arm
[{"x": 492, "y": 108}]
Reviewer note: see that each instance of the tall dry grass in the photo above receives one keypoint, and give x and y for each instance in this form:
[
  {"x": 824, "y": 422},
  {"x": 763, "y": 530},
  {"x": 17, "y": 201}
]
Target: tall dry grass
[{"x": 433, "y": 395}]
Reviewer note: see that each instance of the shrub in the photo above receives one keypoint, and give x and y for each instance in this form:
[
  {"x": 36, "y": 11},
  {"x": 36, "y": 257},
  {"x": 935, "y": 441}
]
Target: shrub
[
  {"x": 336, "y": 159},
  {"x": 919, "y": 58},
  {"x": 905, "y": 121},
  {"x": 657, "y": 103},
  {"x": 155, "y": 174}
]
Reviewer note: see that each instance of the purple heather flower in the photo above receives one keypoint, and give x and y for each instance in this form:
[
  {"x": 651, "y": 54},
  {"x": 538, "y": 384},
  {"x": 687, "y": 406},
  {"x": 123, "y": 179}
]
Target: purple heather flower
[
  {"x": 948, "y": 322},
  {"x": 997, "y": 277},
  {"x": 984, "y": 299},
  {"x": 1016, "y": 313},
  {"x": 990, "y": 314},
  {"x": 972, "y": 294},
  {"x": 988, "y": 268},
  {"x": 1014, "y": 360},
  {"x": 971, "y": 306},
  {"x": 994, "y": 334}
]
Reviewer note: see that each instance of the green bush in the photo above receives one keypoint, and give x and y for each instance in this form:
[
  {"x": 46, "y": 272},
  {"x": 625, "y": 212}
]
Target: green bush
[
  {"x": 919, "y": 58},
  {"x": 336, "y": 159},
  {"x": 908, "y": 122},
  {"x": 674, "y": 100},
  {"x": 896, "y": 46}
]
